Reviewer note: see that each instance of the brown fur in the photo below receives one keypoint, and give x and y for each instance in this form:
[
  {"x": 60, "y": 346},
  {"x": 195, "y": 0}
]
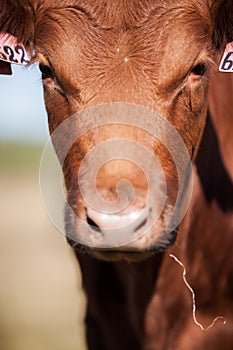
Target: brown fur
[{"x": 146, "y": 305}]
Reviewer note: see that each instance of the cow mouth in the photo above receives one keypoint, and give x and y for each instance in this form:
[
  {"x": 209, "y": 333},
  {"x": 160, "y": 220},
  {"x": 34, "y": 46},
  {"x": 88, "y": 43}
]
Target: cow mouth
[
  {"x": 148, "y": 239},
  {"x": 125, "y": 254},
  {"x": 135, "y": 256}
]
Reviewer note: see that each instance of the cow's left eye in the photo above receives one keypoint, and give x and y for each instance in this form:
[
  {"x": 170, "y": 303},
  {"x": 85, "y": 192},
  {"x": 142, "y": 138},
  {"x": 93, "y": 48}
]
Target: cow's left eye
[
  {"x": 46, "y": 71},
  {"x": 199, "y": 69}
]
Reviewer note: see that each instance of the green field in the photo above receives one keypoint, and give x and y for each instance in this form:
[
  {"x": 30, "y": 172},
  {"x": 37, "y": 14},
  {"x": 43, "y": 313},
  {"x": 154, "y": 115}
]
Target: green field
[{"x": 19, "y": 155}]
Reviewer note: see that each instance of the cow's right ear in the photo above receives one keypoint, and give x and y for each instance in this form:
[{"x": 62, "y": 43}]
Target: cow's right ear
[
  {"x": 17, "y": 18},
  {"x": 16, "y": 32},
  {"x": 222, "y": 16}
]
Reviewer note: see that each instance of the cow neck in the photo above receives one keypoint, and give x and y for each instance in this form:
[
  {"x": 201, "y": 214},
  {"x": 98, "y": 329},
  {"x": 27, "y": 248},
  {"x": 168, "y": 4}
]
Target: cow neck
[{"x": 121, "y": 288}]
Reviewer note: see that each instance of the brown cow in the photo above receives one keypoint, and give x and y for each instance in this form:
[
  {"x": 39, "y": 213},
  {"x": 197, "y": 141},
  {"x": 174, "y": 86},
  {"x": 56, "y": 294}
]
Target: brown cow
[{"x": 159, "y": 54}]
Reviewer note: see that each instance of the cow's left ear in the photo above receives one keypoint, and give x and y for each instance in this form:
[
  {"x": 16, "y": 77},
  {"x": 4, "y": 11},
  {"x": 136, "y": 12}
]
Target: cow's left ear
[{"x": 222, "y": 16}]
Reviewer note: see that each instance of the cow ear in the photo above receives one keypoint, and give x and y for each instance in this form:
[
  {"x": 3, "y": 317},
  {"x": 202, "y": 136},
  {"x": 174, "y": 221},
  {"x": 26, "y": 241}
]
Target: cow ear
[
  {"x": 16, "y": 31},
  {"x": 17, "y": 18},
  {"x": 222, "y": 15}
]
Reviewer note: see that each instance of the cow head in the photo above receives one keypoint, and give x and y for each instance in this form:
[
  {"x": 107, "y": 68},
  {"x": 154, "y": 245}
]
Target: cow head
[{"x": 117, "y": 71}]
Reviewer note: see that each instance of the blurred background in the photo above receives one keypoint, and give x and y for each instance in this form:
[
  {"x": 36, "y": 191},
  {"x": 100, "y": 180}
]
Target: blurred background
[{"x": 41, "y": 300}]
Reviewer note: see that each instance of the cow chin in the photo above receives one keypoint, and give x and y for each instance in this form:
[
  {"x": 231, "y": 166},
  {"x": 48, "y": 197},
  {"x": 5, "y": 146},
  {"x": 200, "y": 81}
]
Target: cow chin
[{"x": 152, "y": 238}]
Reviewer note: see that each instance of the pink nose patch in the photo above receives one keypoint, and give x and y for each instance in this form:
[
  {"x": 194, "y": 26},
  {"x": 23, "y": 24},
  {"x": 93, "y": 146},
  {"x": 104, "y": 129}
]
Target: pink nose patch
[{"x": 12, "y": 51}]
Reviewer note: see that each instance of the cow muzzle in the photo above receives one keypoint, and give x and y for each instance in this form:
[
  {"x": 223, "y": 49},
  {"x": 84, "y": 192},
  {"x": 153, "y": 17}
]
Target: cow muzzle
[{"x": 118, "y": 197}]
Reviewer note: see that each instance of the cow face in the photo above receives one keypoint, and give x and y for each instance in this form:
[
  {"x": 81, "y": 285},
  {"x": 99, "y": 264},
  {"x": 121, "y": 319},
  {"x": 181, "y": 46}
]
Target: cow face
[{"x": 115, "y": 62}]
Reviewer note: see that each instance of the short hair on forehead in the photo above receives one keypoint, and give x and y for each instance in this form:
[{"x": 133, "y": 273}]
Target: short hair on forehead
[{"x": 19, "y": 17}]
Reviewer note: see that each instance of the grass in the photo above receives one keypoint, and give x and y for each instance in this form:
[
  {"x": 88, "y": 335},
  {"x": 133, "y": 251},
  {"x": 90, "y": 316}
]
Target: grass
[{"x": 19, "y": 156}]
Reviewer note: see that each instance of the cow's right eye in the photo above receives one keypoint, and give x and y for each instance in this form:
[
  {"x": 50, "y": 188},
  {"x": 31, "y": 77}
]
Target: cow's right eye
[{"x": 46, "y": 71}]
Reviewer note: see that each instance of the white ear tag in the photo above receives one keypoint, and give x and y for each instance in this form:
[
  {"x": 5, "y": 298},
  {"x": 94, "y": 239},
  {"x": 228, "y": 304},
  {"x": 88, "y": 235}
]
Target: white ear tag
[
  {"x": 11, "y": 51},
  {"x": 226, "y": 64}
]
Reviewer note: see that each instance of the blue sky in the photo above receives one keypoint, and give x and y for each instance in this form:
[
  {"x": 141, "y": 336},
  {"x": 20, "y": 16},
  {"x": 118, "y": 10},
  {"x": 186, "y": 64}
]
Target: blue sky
[{"x": 22, "y": 112}]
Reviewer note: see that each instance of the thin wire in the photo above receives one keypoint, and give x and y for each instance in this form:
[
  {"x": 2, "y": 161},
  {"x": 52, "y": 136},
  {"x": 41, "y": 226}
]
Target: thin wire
[{"x": 194, "y": 299}]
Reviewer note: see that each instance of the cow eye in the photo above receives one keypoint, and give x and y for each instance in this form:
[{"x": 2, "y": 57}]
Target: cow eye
[
  {"x": 46, "y": 71},
  {"x": 199, "y": 69}
]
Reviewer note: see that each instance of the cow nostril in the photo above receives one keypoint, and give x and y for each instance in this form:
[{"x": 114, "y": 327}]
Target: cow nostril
[
  {"x": 143, "y": 223},
  {"x": 93, "y": 225}
]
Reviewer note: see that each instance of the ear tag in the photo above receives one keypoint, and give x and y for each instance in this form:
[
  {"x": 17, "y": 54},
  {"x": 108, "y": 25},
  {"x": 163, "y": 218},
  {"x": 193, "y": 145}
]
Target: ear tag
[
  {"x": 11, "y": 51},
  {"x": 226, "y": 64}
]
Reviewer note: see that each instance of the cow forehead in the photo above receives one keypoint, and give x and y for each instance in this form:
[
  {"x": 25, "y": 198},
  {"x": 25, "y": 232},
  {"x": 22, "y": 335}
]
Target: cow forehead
[
  {"x": 151, "y": 18},
  {"x": 116, "y": 13},
  {"x": 80, "y": 46}
]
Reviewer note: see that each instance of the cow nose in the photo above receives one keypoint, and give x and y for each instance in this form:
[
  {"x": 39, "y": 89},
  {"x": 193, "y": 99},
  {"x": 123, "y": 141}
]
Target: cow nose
[{"x": 117, "y": 223}]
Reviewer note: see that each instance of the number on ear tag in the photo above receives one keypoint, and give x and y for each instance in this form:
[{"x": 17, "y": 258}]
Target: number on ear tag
[
  {"x": 226, "y": 64},
  {"x": 11, "y": 51}
]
